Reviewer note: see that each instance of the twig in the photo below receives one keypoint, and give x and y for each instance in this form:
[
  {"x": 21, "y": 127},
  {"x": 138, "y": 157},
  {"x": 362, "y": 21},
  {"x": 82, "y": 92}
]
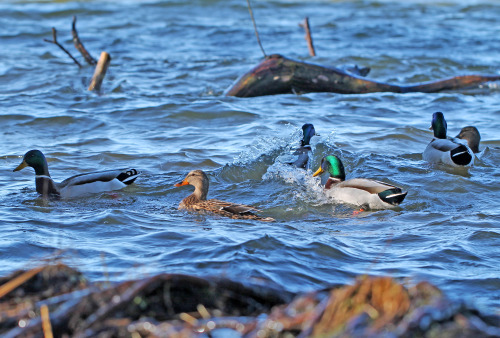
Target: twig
[
  {"x": 79, "y": 45},
  {"x": 47, "y": 328},
  {"x": 21, "y": 279},
  {"x": 255, "y": 28},
  {"x": 100, "y": 71},
  {"x": 308, "y": 37},
  {"x": 54, "y": 41}
]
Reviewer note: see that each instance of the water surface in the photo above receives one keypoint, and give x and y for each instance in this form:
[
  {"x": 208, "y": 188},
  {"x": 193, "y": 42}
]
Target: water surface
[{"x": 162, "y": 111}]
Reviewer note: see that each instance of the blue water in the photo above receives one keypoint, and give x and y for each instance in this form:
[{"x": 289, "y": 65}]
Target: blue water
[{"x": 162, "y": 110}]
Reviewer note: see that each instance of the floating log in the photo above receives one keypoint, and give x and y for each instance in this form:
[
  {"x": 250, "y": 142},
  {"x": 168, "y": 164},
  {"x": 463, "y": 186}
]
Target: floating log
[
  {"x": 280, "y": 75},
  {"x": 100, "y": 71}
]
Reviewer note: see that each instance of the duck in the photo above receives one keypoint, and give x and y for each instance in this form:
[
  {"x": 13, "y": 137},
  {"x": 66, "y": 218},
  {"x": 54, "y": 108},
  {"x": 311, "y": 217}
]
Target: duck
[
  {"x": 197, "y": 201},
  {"x": 472, "y": 136},
  {"x": 362, "y": 192},
  {"x": 304, "y": 150},
  {"x": 92, "y": 182},
  {"x": 444, "y": 150}
]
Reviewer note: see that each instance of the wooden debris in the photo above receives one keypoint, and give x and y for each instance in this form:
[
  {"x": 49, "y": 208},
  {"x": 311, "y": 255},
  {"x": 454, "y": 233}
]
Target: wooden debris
[
  {"x": 54, "y": 41},
  {"x": 280, "y": 75},
  {"x": 79, "y": 45},
  {"x": 308, "y": 37},
  {"x": 172, "y": 305},
  {"x": 100, "y": 71}
]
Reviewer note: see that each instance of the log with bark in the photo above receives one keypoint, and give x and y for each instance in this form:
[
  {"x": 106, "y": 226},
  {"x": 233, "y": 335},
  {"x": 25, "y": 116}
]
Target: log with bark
[{"x": 280, "y": 75}]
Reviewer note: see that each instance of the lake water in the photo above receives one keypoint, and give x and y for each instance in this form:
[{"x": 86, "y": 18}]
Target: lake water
[{"x": 162, "y": 110}]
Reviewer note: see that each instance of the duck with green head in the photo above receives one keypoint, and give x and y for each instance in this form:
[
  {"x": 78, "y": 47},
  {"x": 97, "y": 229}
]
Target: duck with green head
[
  {"x": 444, "y": 150},
  {"x": 93, "y": 182},
  {"x": 304, "y": 151},
  {"x": 361, "y": 192}
]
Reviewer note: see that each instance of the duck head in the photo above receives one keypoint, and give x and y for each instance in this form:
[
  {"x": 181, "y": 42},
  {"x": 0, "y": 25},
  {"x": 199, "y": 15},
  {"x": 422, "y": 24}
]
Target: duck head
[
  {"x": 332, "y": 165},
  {"x": 472, "y": 136},
  {"x": 36, "y": 160},
  {"x": 439, "y": 125},
  {"x": 199, "y": 180},
  {"x": 308, "y": 131}
]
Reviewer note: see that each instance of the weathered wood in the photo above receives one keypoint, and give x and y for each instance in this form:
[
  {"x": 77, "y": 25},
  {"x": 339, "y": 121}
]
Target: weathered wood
[
  {"x": 100, "y": 71},
  {"x": 308, "y": 37},
  {"x": 55, "y": 42},
  {"x": 280, "y": 75},
  {"x": 79, "y": 45}
]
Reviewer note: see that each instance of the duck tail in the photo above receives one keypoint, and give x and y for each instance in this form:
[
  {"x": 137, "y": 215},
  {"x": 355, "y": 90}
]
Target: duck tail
[
  {"x": 128, "y": 176},
  {"x": 461, "y": 155},
  {"x": 393, "y": 196}
]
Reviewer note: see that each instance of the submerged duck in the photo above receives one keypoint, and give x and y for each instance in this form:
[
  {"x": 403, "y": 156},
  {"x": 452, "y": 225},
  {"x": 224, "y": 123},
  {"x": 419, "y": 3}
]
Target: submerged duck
[
  {"x": 197, "y": 201},
  {"x": 94, "y": 182},
  {"x": 305, "y": 148},
  {"x": 472, "y": 136},
  {"x": 444, "y": 150},
  {"x": 358, "y": 191}
]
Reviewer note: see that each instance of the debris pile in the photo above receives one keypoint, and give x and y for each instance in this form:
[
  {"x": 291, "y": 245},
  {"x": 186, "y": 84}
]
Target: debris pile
[{"x": 174, "y": 305}]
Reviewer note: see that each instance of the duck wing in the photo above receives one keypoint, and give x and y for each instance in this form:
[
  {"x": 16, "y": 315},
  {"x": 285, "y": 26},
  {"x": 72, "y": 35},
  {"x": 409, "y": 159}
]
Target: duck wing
[
  {"x": 229, "y": 209},
  {"x": 302, "y": 154},
  {"x": 449, "y": 152},
  {"x": 126, "y": 176},
  {"x": 98, "y": 181},
  {"x": 371, "y": 186},
  {"x": 385, "y": 192}
]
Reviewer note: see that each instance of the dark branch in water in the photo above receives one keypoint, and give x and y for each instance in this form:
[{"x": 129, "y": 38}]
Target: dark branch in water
[
  {"x": 79, "y": 45},
  {"x": 255, "y": 28},
  {"x": 54, "y": 41},
  {"x": 308, "y": 36}
]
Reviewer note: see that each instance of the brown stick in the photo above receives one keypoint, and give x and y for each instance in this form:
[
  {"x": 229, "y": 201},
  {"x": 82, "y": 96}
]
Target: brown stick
[
  {"x": 19, "y": 280},
  {"x": 79, "y": 45},
  {"x": 308, "y": 36},
  {"x": 100, "y": 71},
  {"x": 47, "y": 328},
  {"x": 54, "y": 41}
]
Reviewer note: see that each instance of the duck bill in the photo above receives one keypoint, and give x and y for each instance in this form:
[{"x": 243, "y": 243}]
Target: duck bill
[
  {"x": 318, "y": 172},
  {"x": 21, "y": 166},
  {"x": 180, "y": 184}
]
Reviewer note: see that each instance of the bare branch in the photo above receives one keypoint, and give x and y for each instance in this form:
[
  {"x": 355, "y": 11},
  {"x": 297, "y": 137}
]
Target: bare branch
[
  {"x": 54, "y": 41},
  {"x": 79, "y": 45},
  {"x": 100, "y": 71},
  {"x": 308, "y": 37}
]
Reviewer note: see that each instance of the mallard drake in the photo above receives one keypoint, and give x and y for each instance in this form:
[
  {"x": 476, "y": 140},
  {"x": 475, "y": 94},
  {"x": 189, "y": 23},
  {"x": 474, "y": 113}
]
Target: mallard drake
[
  {"x": 444, "y": 150},
  {"x": 472, "y": 136},
  {"x": 197, "y": 201},
  {"x": 358, "y": 191},
  {"x": 93, "y": 182},
  {"x": 304, "y": 150}
]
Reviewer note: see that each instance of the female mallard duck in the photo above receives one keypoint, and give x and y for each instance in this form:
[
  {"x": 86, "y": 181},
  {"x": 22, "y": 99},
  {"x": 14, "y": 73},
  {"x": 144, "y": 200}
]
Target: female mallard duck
[
  {"x": 444, "y": 150},
  {"x": 197, "y": 201},
  {"x": 305, "y": 148},
  {"x": 93, "y": 182},
  {"x": 358, "y": 191},
  {"x": 472, "y": 136}
]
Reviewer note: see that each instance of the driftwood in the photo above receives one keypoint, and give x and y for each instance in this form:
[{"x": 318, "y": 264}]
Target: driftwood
[
  {"x": 100, "y": 71},
  {"x": 58, "y": 301},
  {"x": 308, "y": 36},
  {"x": 55, "y": 42},
  {"x": 79, "y": 45},
  {"x": 280, "y": 75}
]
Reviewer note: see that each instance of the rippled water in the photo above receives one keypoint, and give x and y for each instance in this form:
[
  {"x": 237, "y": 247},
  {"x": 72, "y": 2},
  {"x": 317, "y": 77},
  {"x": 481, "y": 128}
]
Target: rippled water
[{"x": 162, "y": 110}]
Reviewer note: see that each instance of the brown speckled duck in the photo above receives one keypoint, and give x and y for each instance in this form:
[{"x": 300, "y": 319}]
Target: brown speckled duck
[{"x": 197, "y": 201}]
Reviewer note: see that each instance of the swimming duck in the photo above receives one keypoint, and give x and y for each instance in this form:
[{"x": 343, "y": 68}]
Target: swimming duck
[
  {"x": 92, "y": 182},
  {"x": 197, "y": 201},
  {"x": 358, "y": 191},
  {"x": 472, "y": 136},
  {"x": 305, "y": 148},
  {"x": 444, "y": 150}
]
